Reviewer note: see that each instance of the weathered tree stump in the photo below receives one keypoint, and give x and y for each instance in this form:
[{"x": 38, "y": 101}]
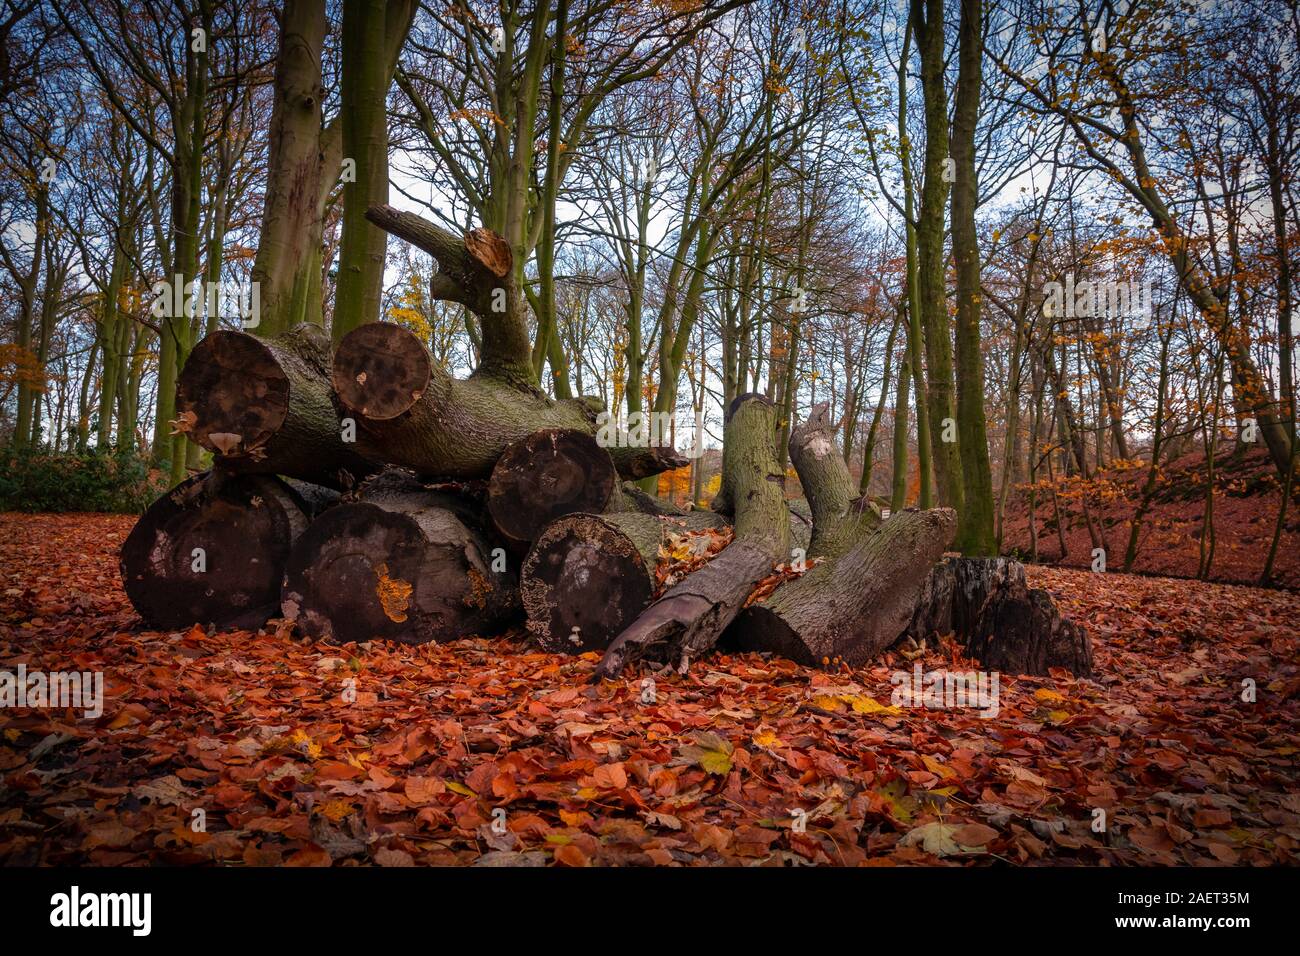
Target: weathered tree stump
[
  {"x": 595, "y": 573},
  {"x": 987, "y": 604},
  {"x": 213, "y": 551},
  {"x": 264, "y": 406},
  {"x": 404, "y": 564}
]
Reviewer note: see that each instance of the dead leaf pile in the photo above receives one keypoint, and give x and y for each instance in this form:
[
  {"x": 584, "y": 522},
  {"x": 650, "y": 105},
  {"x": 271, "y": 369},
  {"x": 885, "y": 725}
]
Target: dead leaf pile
[{"x": 245, "y": 749}]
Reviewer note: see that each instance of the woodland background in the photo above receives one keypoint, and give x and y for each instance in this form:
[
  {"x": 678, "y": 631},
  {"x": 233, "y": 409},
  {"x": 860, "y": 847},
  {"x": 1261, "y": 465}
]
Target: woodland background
[{"x": 861, "y": 203}]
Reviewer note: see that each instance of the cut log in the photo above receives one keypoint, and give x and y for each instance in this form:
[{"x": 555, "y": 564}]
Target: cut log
[
  {"x": 855, "y": 602},
  {"x": 987, "y": 605},
  {"x": 264, "y": 406},
  {"x": 410, "y": 411},
  {"x": 213, "y": 551},
  {"x": 545, "y": 476},
  {"x": 588, "y": 576},
  {"x": 688, "y": 619},
  {"x": 854, "y": 605},
  {"x": 405, "y": 564}
]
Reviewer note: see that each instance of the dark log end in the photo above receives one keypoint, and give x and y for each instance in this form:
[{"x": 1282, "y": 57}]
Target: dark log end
[
  {"x": 547, "y": 475},
  {"x": 380, "y": 370},
  {"x": 211, "y": 553},
  {"x": 362, "y": 572},
  {"x": 233, "y": 392},
  {"x": 352, "y": 576},
  {"x": 582, "y": 573}
]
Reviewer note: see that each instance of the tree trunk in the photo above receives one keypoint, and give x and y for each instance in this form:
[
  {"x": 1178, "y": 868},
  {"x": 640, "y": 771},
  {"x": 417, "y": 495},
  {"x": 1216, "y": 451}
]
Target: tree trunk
[
  {"x": 852, "y": 607},
  {"x": 264, "y": 406},
  {"x": 588, "y": 576},
  {"x": 405, "y": 563},
  {"x": 857, "y": 601},
  {"x": 410, "y": 412},
  {"x": 213, "y": 550}
]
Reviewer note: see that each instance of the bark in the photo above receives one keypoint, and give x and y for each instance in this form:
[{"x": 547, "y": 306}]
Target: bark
[
  {"x": 690, "y": 617},
  {"x": 596, "y": 573},
  {"x": 245, "y": 526},
  {"x": 264, "y": 406},
  {"x": 852, "y": 607},
  {"x": 404, "y": 563},
  {"x": 1007, "y": 626},
  {"x": 927, "y": 22},
  {"x": 294, "y": 171},
  {"x": 410, "y": 411},
  {"x": 975, "y": 517},
  {"x": 364, "y": 115}
]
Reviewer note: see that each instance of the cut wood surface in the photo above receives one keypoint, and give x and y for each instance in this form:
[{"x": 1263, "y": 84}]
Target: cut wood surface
[
  {"x": 264, "y": 406},
  {"x": 588, "y": 576},
  {"x": 547, "y": 475},
  {"x": 213, "y": 551},
  {"x": 404, "y": 563}
]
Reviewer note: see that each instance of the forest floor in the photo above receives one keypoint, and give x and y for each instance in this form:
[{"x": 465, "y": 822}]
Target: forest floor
[
  {"x": 259, "y": 737},
  {"x": 1246, "y": 499}
]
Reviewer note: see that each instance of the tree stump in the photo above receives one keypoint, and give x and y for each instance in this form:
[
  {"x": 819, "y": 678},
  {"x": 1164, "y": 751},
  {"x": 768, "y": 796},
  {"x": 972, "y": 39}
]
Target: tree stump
[{"x": 987, "y": 604}]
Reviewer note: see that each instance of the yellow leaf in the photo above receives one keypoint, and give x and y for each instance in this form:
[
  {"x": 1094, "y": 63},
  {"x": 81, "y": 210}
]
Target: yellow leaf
[
  {"x": 766, "y": 738},
  {"x": 457, "y": 787},
  {"x": 866, "y": 705},
  {"x": 336, "y": 810},
  {"x": 1048, "y": 696}
]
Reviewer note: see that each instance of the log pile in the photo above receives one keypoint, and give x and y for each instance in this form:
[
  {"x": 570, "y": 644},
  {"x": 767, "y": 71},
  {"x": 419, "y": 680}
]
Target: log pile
[{"x": 440, "y": 508}]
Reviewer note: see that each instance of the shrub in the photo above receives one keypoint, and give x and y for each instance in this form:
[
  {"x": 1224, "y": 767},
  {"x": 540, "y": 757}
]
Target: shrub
[{"x": 42, "y": 480}]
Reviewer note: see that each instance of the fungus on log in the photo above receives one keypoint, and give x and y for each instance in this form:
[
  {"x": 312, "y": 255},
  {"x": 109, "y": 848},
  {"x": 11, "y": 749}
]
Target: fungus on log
[
  {"x": 687, "y": 620},
  {"x": 263, "y": 406},
  {"x": 213, "y": 550},
  {"x": 589, "y": 575},
  {"x": 404, "y": 563}
]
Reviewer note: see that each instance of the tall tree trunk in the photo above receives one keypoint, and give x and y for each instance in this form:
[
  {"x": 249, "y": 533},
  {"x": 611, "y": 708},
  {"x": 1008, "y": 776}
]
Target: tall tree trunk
[
  {"x": 364, "y": 114},
  {"x": 975, "y": 517},
  {"x": 927, "y": 18}
]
